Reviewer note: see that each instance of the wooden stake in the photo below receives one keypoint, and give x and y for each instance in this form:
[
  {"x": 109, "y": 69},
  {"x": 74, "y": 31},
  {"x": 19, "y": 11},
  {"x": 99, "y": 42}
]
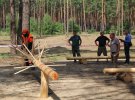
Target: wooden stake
[
  {"x": 22, "y": 70},
  {"x": 41, "y": 53},
  {"x": 44, "y": 86}
]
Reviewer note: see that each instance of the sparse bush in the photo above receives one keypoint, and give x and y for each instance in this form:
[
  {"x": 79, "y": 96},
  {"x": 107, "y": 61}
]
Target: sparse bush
[
  {"x": 73, "y": 26},
  {"x": 49, "y": 27}
]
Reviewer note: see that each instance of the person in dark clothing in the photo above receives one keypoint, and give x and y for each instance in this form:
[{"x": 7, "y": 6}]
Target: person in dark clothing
[
  {"x": 101, "y": 42},
  {"x": 75, "y": 41},
  {"x": 127, "y": 44}
]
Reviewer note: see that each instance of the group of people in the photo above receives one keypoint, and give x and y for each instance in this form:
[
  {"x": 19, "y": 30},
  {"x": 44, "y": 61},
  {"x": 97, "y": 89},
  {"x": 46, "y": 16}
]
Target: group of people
[{"x": 102, "y": 41}]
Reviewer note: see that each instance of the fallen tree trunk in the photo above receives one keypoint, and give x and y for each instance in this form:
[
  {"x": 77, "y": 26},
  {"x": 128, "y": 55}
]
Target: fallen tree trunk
[{"x": 119, "y": 70}]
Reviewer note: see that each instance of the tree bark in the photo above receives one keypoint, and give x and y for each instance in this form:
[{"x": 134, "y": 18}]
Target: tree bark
[
  {"x": 103, "y": 25},
  {"x": 19, "y": 30},
  {"x": 4, "y": 16},
  {"x": 64, "y": 16},
  {"x": 84, "y": 16},
  {"x": 67, "y": 14},
  {"x": 26, "y": 15},
  {"x": 13, "y": 25},
  {"x": 0, "y": 18}
]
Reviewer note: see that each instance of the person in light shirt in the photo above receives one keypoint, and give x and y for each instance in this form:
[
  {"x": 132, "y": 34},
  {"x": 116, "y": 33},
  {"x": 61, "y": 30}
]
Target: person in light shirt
[
  {"x": 127, "y": 44},
  {"x": 114, "y": 47}
]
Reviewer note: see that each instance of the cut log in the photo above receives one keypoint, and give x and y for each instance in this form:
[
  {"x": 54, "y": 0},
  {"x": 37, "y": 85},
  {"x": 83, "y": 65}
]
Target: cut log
[
  {"x": 119, "y": 70},
  {"x": 104, "y": 57},
  {"x": 46, "y": 70}
]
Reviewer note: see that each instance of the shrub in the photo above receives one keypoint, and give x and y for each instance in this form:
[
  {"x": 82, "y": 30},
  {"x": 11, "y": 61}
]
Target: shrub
[
  {"x": 33, "y": 25},
  {"x": 49, "y": 27},
  {"x": 73, "y": 26}
]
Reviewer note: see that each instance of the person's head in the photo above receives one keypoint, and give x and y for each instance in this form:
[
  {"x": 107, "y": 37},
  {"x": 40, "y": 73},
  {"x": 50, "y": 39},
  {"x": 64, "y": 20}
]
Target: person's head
[
  {"x": 74, "y": 32},
  {"x": 112, "y": 36},
  {"x": 102, "y": 33},
  {"x": 125, "y": 32},
  {"x": 25, "y": 32}
]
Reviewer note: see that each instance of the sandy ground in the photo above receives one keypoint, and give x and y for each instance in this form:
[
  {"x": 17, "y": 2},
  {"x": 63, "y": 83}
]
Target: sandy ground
[{"x": 76, "y": 82}]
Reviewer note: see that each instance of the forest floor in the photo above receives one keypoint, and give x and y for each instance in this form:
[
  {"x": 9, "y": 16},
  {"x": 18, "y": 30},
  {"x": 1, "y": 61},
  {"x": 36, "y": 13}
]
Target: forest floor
[{"x": 76, "y": 81}]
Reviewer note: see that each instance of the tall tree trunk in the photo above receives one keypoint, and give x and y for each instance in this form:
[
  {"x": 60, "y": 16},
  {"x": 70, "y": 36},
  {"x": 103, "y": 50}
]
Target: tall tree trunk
[
  {"x": 84, "y": 16},
  {"x": 26, "y": 15},
  {"x": 122, "y": 16},
  {"x": 19, "y": 30},
  {"x": 64, "y": 16},
  {"x": 0, "y": 18},
  {"x": 71, "y": 9},
  {"x": 118, "y": 16},
  {"x": 61, "y": 12},
  {"x": 103, "y": 25},
  {"x": 4, "y": 16},
  {"x": 67, "y": 14},
  {"x": 13, "y": 25}
]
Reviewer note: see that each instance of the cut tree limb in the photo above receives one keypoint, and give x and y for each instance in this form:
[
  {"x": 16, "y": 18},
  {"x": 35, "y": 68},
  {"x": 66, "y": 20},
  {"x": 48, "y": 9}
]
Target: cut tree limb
[{"x": 45, "y": 69}]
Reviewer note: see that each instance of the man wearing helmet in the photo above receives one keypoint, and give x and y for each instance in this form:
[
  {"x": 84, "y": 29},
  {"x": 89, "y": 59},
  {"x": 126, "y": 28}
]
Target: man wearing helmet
[{"x": 27, "y": 39}]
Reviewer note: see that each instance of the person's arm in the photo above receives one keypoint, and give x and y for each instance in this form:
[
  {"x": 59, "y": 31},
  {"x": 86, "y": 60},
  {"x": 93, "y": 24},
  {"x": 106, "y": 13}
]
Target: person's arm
[
  {"x": 23, "y": 40},
  {"x": 121, "y": 40},
  {"x": 108, "y": 41},
  {"x": 96, "y": 42},
  {"x": 108, "y": 45},
  {"x": 80, "y": 41},
  {"x": 69, "y": 41},
  {"x": 118, "y": 47}
]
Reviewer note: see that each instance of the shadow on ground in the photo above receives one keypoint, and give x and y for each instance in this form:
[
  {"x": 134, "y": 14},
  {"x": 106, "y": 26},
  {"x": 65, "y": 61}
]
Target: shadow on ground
[
  {"x": 59, "y": 49},
  {"x": 76, "y": 81},
  {"x": 89, "y": 82}
]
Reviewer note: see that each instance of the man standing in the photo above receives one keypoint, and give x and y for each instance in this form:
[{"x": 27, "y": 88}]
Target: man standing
[
  {"x": 75, "y": 41},
  {"x": 127, "y": 45},
  {"x": 114, "y": 47},
  {"x": 101, "y": 42}
]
